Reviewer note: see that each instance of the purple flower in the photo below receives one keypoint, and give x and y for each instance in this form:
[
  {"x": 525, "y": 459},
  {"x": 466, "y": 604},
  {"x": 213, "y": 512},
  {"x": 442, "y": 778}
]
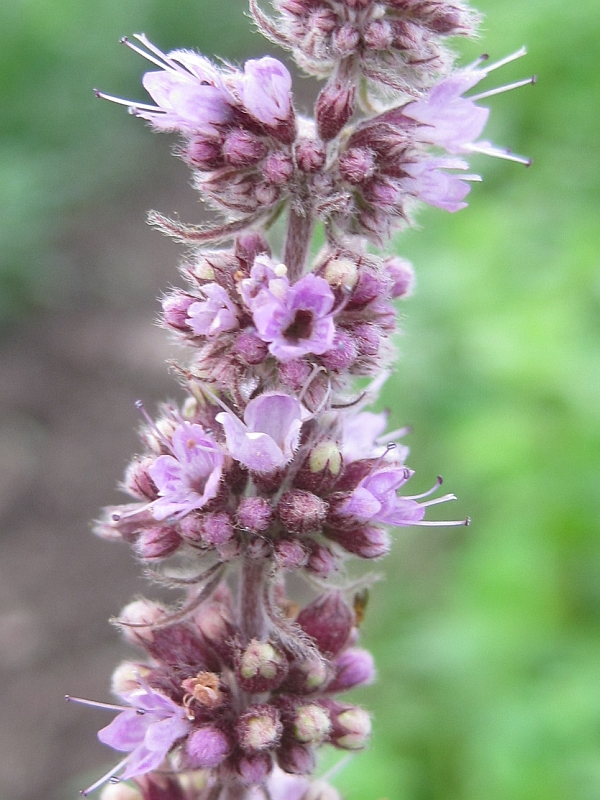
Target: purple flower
[
  {"x": 429, "y": 183},
  {"x": 363, "y": 437},
  {"x": 265, "y": 90},
  {"x": 214, "y": 314},
  {"x": 189, "y": 478},
  {"x": 268, "y": 437},
  {"x": 375, "y": 499},
  {"x": 293, "y": 319},
  {"x": 147, "y": 731}
]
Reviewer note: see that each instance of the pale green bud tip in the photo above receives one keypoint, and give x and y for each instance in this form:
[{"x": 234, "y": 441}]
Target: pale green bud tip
[
  {"x": 326, "y": 455},
  {"x": 260, "y": 658},
  {"x": 312, "y": 723},
  {"x": 341, "y": 272},
  {"x": 357, "y": 723}
]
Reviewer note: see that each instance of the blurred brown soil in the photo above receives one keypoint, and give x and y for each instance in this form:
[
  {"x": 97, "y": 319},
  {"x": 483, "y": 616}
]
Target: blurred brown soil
[{"x": 69, "y": 380}]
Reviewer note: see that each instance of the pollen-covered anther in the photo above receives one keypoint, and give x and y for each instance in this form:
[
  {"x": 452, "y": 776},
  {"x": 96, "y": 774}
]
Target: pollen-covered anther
[{"x": 203, "y": 689}]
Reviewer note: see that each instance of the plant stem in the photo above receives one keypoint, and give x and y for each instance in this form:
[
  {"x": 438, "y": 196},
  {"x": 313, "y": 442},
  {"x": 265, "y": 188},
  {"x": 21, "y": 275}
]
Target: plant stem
[
  {"x": 297, "y": 242},
  {"x": 252, "y": 613}
]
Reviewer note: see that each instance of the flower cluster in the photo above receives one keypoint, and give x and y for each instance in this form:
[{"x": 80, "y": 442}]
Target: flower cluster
[{"x": 272, "y": 464}]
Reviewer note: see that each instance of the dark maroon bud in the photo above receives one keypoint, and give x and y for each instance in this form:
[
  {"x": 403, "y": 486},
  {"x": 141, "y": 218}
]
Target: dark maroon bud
[
  {"x": 370, "y": 286},
  {"x": 180, "y": 644},
  {"x": 260, "y": 667},
  {"x": 254, "y": 514},
  {"x": 294, "y": 374},
  {"x": 329, "y": 621},
  {"x": 295, "y": 758},
  {"x": 321, "y": 561},
  {"x": 357, "y": 164},
  {"x": 402, "y": 275},
  {"x": 310, "y": 155},
  {"x": 259, "y": 728},
  {"x": 354, "y": 667},
  {"x": 175, "y": 310},
  {"x": 254, "y": 769},
  {"x": 268, "y": 481},
  {"x": 160, "y": 541},
  {"x": 217, "y": 528},
  {"x": 250, "y": 348},
  {"x": 351, "y": 476},
  {"x": 207, "y": 747},
  {"x": 342, "y": 354},
  {"x": 302, "y": 512},
  {"x": 243, "y": 149},
  {"x": 379, "y": 35},
  {"x": 321, "y": 469},
  {"x": 138, "y": 481},
  {"x": 350, "y": 725},
  {"x": 335, "y": 106},
  {"x": 366, "y": 542},
  {"x": 367, "y": 338},
  {"x": 203, "y": 154},
  {"x": 191, "y": 527},
  {"x": 345, "y": 40},
  {"x": 215, "y": 625},
  {"x": 278, "y": 168},
  {"x": 290, "y": 554}
]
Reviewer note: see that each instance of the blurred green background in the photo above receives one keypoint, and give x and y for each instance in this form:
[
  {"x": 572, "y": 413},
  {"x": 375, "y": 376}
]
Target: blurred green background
[{"x": 487, "y": 638}]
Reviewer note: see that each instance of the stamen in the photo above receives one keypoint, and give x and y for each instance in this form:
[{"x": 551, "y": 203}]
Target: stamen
[
  {"x": 131, "y": 104},
  {"x": 496, "y": 152},
  {"x": 140, "y": 406},
  {"x": 482, "y": 59},
  {"x": 162, "y": 64},
  {"x": 97, "y": 704},
  {"x": 171, "y": 63},
  {"x": 429, "y": 523},
  {"x": 443, "y": 499},
  {"x": 110, "y": 774},
  {"x": 433, "y": 489},
  {"x": 507, "y": 59},
  {"x": 500, "y": 89}
]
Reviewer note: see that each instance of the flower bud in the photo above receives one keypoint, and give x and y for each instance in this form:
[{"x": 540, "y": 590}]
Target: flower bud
[
  {"x": 203, "y": 154},
  {"x": 290, "y": 554},
  {"x": 259, "y": 728},
  {"x": 342, "y": 353},
  {"x": 310, "y": 155},
  {"x": 335, "y": 106},
  {"x": 311, "y": 724},
  {"x": 321, "y": 469},
  {"x": 321, "y": 560},
  {"x": 342, "y": 273},
  {"x": 250, "y": 348},
  {"x": 379, "y": 35},
  {"x": 260, "y": 668},
  {"x": 214, "y": 624},
  {"x": 278, "y": 168},
  {"x": 243, "y": 149},
  {"x": 207, "y": 747},
  {"x": 160, "y": 541},
  {"x": 402, "y": 275},
  {"x": 345, "y": 40},
  {"x": 367, "y": 338},
  {"x": 255, "y": 769},
  {"x": 301, "y": 511},
  {"x": 254, "y": 514},
  {"x": 296, "y": 758},
  {"x": 250, "y": 244},
  {"x": 143, "y": 613},
  {"x": 266, "y": 194},
  {"x": 370, "y": 286},
  {"x": 307, "y": 676},
  {"x": 120, "y": 791},
  {"x": 357, "y": 164},
  {"x": 354, "y": 667},
  {"x": 351, "y": 726},
  {"x": 294, "y": 374},
  {"x": 175, "y": 308},
  {"x": 217, "y": 528},
  {"x": 366, "y": 542},
  {"x": 329, "y": 621},
  {"x": 126, "y": 677}
]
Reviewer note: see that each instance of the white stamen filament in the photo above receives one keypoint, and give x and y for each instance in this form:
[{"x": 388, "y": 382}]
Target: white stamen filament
[
  {"x": 437, "y": 500},
  {"x": 502, "y": 89},
  {"x": 162, "y": 64},
  {"x": 433, "y": 489},
  {"x": 498, "y": 153},
  {"x": 110, "y": 774},
  {"x": 140, "y": 406},
  {"x": 429, "y": 523},
  {"x": 97, "y": 704},
  {"x": 131, "y": 104},
  {"x": 522, "y": 51},
  {"x": 170, "y": 62}
]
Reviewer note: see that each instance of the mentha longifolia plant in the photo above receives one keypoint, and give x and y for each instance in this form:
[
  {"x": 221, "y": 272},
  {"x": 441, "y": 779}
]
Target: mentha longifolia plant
[{"x": 272, "y": 466}]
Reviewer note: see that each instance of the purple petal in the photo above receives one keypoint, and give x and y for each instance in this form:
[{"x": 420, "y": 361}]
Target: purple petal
[
  {"x": 265, "y": 90},
  {"x": 126, "y": 731}
]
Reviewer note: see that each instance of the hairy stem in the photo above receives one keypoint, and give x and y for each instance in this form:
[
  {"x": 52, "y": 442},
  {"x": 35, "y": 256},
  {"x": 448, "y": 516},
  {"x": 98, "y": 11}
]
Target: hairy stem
[
  {"x": 297, "y": 242},
  {"x": 253, "y": 619}
]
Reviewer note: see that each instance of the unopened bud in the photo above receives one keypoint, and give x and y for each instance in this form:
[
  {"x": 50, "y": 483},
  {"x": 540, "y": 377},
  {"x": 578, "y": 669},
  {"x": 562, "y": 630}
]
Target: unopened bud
[
  {"x": 296, "y": 758},
  {"x": 175, "y": 308},
  {"x": 310, "y": 155},
  {"x": 402, "y": 275},
  {"x": 335, "y": 106},
  {"x": 290, "y": 554},
  {"x": 259, "y": 728},
  {"x": 261, "y": 667},
  {"x": 254, "y": 769},
  {"x": 311, "y": 724},
  {"x": 321, "y": 560},
  {"x": 203, "y": 154},
  {"x": 294, "y": 374},
  {"x": 137, "y": 618},
  {"x": 345, "y": 40},
  {"x": 160, "y": 541},
  {"x": 351, "y": 728},
  {"x": 250, "y": 348},
  {"x": 207, "y": 747},
  {"x": 307, "y": 676},
  {"x": 266, "y": 194},
  {"x": 120, "y": 791},
  {"x": 278, "y": 168},
  {"x": 367, "y": 338},
  {"x": 254, "y": 514},
  {"x": 366, "y": 542},
  {"x": 243, "y": 149},
  {"x": 357, "y": 164},
  {"x": 126, "y": 677},
  {"x": 370, "y": 286},
  {"x": 329, "y": 621},
  {"x": 354, "y": 667},
  {"x": 342, "y": 354},
  {"x": 301, "y": 511},
  {"x": 379, "y": 35},
  {"x": 341, "y": 272},
  {"x": 217, "y": 528}
]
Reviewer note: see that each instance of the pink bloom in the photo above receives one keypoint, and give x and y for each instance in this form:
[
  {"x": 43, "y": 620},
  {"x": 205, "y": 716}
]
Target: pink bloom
[
  {"x": 147, "y": 731},
  {"x": 375, "y": 499},
  {"x": 214, "y": 314},
  {"x": 189, "y": 478},
  {"x": 268, "y": 437},
  {"x": 265, "y": 90}
]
